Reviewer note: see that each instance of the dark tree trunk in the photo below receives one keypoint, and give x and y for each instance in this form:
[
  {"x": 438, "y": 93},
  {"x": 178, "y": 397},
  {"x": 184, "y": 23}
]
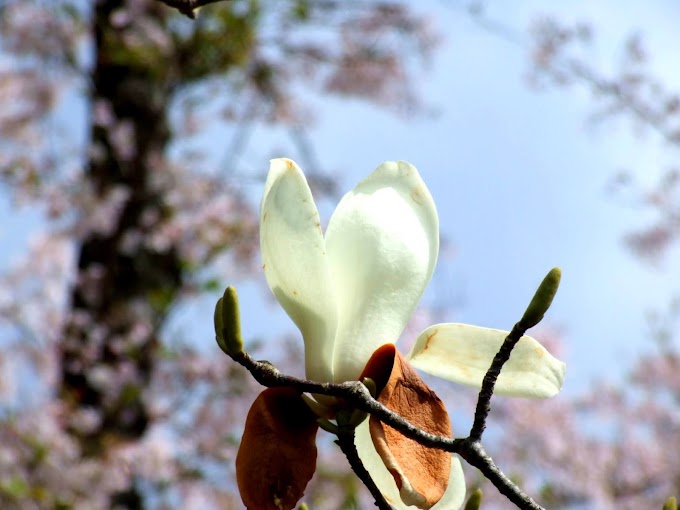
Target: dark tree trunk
[{"x": 124, "y": 287}]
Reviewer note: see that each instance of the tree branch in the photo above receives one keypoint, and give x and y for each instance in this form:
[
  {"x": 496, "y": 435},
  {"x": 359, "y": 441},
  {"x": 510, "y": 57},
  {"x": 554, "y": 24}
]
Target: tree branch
[
  {"x": 474, "y": 454},
  {"x": 346, "y": 443},
  {"x": 490, "y": 378},
  {"x": 356, "y": 394}
]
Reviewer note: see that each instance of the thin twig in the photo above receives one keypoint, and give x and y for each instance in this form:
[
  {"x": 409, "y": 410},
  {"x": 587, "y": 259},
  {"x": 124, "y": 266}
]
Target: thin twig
[
  {"x": 346, "y": 443},
  {"x": 476, "y": 456},
  {"x": 490, "y": 378}
]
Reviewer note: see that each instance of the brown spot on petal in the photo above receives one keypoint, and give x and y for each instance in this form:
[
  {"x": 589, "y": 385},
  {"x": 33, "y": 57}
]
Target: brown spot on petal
[
  {"x": 277, "y": 455},
  {"x": 420, "y": 473},
  {"x": 429, "y": 339},
  {"x": 417, "y": 196}
]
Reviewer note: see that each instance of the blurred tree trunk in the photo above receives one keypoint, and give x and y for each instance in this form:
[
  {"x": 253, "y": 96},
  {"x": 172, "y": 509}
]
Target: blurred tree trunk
[
  {"x": 130, "y": 270},
  {"x": 124, "y": 287}
]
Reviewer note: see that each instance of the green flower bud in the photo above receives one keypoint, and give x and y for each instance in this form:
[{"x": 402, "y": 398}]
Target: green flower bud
[
  {"x": 475, "y": 500},
  {"x": 228, "y": 323},
  {"x": 542, "y": 298},
  {"x": 328, "y": 426},
  {"x": 218, "y": 325},
  {"x": 357, "y": 418},
  {"x": 671, "y": 504},
  {"x": 370, "y": 385}
]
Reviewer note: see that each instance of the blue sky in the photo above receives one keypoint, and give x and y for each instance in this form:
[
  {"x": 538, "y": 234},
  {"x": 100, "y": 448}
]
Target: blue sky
[{"x": 519, "y": 178}]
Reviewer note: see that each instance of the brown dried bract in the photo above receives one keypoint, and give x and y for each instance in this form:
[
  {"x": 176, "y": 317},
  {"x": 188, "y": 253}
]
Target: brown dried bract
[
  {"x": 421, "y": 473},
  {"x": 277, "y": 456}
]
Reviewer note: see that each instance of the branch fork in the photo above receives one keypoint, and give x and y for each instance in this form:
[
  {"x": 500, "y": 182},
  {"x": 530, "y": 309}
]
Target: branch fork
[{"x": 359, "y": 397}]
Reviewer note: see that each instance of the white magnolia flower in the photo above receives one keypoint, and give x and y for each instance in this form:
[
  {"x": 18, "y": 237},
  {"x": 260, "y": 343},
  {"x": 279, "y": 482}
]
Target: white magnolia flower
[{"x": 353, "y": 290}]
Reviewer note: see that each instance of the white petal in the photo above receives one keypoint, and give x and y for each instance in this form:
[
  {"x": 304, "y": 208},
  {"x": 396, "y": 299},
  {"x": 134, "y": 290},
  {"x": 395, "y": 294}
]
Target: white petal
[
  {"x": 463, "y": 353},
  {"x": 382, "y": 242},
  {"x": 296, "y": 265},
  {"x": 452, "y": 498}
]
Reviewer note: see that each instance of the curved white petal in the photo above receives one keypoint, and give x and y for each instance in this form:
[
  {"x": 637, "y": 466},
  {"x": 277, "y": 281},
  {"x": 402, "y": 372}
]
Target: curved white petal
[
  {"x": 463, "y": 353},
  {"x": 296, "y": 265},
  {"x": 382, "y": 242},
  {"x": 452, "y": 498}
]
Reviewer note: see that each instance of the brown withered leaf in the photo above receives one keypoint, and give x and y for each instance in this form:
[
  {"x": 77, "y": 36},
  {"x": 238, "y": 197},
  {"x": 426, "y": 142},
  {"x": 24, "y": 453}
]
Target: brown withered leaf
[
  {"x": 277, "y": 455},
  {"x": 421, "y": 473}
]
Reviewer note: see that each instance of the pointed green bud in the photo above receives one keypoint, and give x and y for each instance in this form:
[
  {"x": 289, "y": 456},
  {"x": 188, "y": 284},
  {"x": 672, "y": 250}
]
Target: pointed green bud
[
  {"x": 303, "y": 506},
  {"x": 542, "y": 298},
  {"x": 328, "y": 426},
  {"x": 475, "y": 500},
  {"x": 232, "y": 342},
  {"x": 671, "y": 504},
  {"x": 370, "y": 385},
  {"x": 350, "y": 418},
  {"x": 218, "y": 325},
  {"x": 357, "y": 418}
]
